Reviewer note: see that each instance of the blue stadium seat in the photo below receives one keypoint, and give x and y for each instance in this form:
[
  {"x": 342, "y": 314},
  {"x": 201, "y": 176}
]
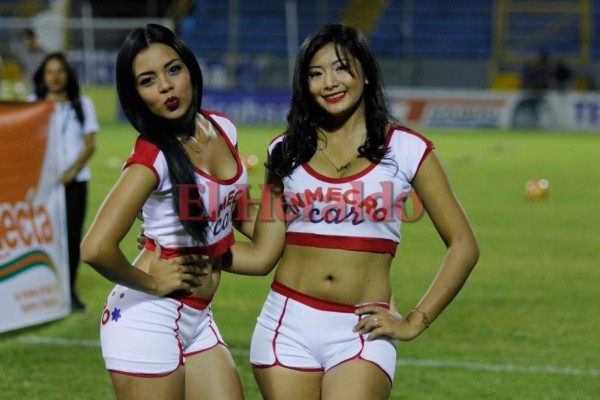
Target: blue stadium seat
[{"x": 435, "y": 27}]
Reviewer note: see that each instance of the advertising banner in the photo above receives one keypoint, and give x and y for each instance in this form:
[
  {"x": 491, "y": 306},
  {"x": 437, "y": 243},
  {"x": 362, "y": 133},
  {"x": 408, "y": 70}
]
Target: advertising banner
[
  {"x": 550, "y": 110},
  {"x": 249, "y": 107},
  {"x": 583, "y": 111},
  {"x": 450, "y": 108},
  {"x": 430, "y": 107},
  {"x": 33, "y": 252}
]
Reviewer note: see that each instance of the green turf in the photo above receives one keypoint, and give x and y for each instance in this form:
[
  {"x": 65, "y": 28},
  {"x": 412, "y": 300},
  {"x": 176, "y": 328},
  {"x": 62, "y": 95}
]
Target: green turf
[{"x": 524, "y": 326}]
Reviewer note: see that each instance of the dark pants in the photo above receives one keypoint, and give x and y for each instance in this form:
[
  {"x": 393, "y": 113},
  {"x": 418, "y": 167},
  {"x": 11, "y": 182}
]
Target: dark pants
[{"x": 76, "y": 199}]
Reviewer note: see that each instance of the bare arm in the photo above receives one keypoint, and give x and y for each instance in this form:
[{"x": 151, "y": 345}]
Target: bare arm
[
  {"x": 452, "y": 224},
  {"x": 246, "y": 213},
  {"x": 100, "y": 247},
  {"x": 89, "y": 146},
  {"x": 259, "y": 256}
]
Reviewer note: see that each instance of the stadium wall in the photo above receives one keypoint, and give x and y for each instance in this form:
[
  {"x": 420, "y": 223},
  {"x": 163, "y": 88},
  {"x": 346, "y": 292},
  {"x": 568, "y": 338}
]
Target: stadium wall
[{"x": 444, "y": 107}]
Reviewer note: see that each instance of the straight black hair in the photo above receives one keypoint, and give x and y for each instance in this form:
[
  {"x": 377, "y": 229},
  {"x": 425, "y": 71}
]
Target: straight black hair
[{"x": 161, "y": 131}]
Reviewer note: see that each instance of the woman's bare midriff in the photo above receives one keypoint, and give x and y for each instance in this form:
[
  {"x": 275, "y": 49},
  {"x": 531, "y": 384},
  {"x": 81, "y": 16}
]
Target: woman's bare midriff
[
  {"x": 210, "y": 282},
  {"x": 341, "y": 276}
]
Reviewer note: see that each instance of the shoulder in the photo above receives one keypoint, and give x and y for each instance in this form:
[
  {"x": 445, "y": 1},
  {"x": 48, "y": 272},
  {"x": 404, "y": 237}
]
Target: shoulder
[
  {"x": 223, "y": 122},
  {"x": 90, "y": 120},
  {"x": 86, "y": 102},
  {"x": 149, "y": 155},
  {"x": 404, "y": 139},
  {"x": 276, "y": 141},
  {"x": 408, "y": 149},
  {"x": 216, "y": 114},
  {"x": 144, "y": 152},
  {"x": 85, "y": 99}
]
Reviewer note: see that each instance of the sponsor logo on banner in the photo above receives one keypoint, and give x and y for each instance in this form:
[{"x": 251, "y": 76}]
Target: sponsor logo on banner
[
  {"x": 250, "y": 107},
  {"x": 460, "y": 109},
  {"x": 548, "y": 110},
  {"x": 585, "y": 111},
  {"x": 33, "y": 257}
]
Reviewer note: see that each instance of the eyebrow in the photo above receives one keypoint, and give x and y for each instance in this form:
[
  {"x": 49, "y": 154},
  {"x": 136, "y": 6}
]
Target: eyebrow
[
  {"x": 151, "y": 72},
  {"x": 342, "y": 61}
]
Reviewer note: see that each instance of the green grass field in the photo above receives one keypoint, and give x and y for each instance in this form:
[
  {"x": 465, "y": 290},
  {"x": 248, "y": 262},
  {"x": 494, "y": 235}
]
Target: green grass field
[{"x": 525, "y": 325}]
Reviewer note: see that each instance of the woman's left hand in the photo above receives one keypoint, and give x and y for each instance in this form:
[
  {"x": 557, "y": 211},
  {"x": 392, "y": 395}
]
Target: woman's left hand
[
  {"x": 141, "y": 239},
  {"x": 379, "y": 321},
  {"x": 68, "y": 176}
]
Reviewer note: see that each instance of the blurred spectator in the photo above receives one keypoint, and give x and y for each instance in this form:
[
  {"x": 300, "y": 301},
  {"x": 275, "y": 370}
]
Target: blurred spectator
[
  {"x": 563, "y": 76},
  {"x": 543, "y": 73},
  {"x": 75, "y": 117},
  {"x": 532, "y": 111},
  {"x": 28, "y": 54},
  {"x": 538, "y": 74}
]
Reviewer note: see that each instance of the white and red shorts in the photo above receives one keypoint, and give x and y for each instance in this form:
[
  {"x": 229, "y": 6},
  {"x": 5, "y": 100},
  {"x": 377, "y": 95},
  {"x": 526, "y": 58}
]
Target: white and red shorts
[
  {"x": 148, "y": 335},
  {"x": 307, "y": 334}
]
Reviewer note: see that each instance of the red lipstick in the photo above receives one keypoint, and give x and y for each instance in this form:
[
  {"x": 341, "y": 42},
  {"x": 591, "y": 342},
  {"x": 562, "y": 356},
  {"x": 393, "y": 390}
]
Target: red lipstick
[
  {"x": 334, "y": 98},
  {"x": 172, "y": 103}
]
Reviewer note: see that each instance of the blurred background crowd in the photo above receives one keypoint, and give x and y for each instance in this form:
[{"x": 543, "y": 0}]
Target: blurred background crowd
[{"x": 249, "y": 45}]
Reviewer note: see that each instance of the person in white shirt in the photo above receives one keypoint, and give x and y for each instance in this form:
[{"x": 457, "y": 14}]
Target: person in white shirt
[
  {"x": 75, "y": 119},
  {"x": 28, "y": 54}
]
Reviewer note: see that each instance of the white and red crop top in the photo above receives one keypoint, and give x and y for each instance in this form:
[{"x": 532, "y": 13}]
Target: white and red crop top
[
  {"x": 361, "y": 212},
  {"x": 161, "y": 224}
]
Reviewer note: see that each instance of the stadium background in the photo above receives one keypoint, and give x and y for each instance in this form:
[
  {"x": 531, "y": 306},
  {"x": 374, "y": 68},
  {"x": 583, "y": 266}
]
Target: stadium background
[
  {"x": 525, "y": 325},
  {"x": 250, "y": 44}
]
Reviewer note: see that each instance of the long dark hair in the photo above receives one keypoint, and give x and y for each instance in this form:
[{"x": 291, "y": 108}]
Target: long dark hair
[
  {"x": 73, "y": 91},
  {"x": 161, "y": 131},
  {"x": 306, "y": 116}
]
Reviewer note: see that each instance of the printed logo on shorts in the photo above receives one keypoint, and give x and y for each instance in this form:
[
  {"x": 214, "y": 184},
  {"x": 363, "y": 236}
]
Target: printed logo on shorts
[{"x": 106, "y": 315}]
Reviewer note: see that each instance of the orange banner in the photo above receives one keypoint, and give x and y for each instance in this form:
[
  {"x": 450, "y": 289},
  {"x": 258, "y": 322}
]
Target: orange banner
[{"x": 33, "y": 256}]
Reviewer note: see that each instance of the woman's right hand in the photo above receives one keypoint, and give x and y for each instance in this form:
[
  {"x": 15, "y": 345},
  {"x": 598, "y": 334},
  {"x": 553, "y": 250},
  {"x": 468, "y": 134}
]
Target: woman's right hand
[
  {"x": 178, "y": 274},
  {"x": 141, "y": 239}
]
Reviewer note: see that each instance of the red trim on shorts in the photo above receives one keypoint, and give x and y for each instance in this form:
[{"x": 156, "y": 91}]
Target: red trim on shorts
[
  {"x": 359, "y": 356},
  {"x": 378, "y": 366},
  {"x": 181, "y": 360},
  {"x": 274, "y": 343},
  {"x": 116, "y": 371},
  {"x": 216, "y": 249},
  {"x": 352, "y": 243},
  {"x": 277, "y": 363},
  {"x": 319, "y": 304},
  {"x": 219, "y": 342},
  {"x": 198, "y": 303},
  {"x": 212, "y": 328}
]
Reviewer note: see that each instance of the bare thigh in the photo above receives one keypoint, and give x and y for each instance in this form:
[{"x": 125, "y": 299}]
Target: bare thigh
[
  {"x": 357, "y": 379},
  {"x": 206, "y": 376},
  {"x": 278, "y": 383},
  {"x": 170, "y": 387},
  {"x": 211, "y": 375}
]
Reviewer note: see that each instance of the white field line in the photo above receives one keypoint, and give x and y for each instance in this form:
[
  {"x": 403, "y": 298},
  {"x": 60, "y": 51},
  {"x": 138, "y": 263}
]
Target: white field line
[{"x": 401, "y": 362}]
